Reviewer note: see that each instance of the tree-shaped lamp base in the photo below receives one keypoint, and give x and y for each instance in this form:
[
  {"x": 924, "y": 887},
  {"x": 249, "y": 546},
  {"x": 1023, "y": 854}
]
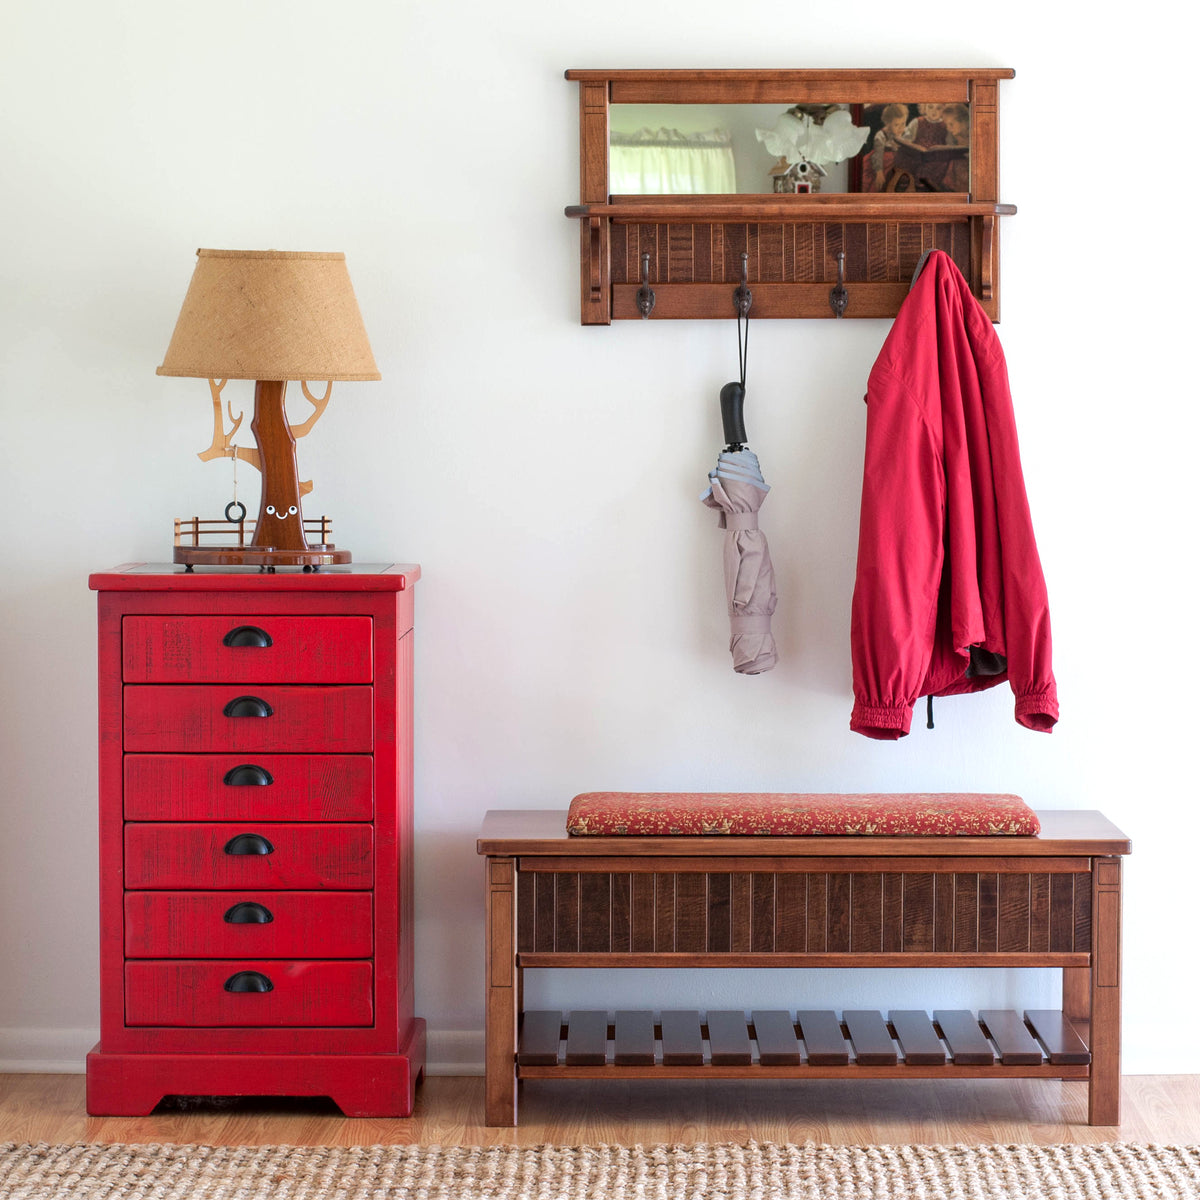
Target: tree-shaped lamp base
[{"x": 280, "y": 533}]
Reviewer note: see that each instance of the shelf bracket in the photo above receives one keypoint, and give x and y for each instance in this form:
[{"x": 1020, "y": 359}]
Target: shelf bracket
[
  {"x": 987, "y": 250},
  {"x": 594, "y": 258}
]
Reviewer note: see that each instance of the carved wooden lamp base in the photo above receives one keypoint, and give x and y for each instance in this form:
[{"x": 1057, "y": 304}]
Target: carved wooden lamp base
[
  {"x": 231, "y": 544},
  {"x": 313, "y": 558},
  {"x": 280, "y": 535}
]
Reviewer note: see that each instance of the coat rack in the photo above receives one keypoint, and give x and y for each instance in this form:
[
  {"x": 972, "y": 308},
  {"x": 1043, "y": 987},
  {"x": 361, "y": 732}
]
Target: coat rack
[{"x": 832, "y": 255}]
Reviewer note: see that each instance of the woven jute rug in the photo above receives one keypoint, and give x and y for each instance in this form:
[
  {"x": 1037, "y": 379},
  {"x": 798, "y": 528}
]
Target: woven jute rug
[{"x": 755, "y": 1171}]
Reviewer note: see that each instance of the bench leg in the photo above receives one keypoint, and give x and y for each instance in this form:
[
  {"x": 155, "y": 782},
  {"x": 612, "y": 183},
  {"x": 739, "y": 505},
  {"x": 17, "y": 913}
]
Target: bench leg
[
  {"x": 501, "y": 1001},
  {"x": 1104, "y": 1086},
  {"x": 1077, "y": 994}
]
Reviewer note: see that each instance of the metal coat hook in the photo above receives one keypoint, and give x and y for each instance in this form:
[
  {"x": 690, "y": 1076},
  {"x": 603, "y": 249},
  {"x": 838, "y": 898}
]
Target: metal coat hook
[
  {"x": 645, "y": 294},
  {"x": 838, "y": 296},
  {"x": 743, "y": 297}
]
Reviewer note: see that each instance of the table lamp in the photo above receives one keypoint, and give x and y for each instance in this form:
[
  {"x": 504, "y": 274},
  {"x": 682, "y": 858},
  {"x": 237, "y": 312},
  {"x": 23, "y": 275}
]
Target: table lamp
[{"x": 271, "y": 316}]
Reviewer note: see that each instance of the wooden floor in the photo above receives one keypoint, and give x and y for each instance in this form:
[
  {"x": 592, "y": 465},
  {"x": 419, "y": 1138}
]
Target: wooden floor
[{"x": 1157, "y": 1108}]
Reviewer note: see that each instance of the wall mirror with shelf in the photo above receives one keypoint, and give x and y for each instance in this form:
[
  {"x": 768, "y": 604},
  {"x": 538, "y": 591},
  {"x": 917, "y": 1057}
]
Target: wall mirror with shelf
[{"x": 804, "y": 172}]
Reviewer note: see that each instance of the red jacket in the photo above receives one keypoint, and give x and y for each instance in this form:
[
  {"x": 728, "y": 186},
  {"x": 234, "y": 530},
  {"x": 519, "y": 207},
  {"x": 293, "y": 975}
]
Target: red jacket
[{"x": 949, "y": 595}]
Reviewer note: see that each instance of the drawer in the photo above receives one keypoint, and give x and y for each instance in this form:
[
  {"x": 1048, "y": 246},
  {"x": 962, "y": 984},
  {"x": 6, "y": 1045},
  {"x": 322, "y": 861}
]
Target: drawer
[
  {"x": 199, "y": 718},
  {"x": 264, "y": 854},
  {"x": 248, "y": 925},
  {"x": 252, "y": 649},
  {"x": 235, "y": 787},
  {"x": 204, "y": 993}
]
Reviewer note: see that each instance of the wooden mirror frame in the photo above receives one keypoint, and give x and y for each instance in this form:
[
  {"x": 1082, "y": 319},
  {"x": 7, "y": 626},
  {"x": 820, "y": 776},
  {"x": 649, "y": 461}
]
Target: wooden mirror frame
[{"x": 695, "y": 243}]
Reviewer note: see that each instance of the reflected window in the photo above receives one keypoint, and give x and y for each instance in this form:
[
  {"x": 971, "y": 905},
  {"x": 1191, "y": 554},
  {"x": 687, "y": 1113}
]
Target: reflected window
[{"x": 665, "y": 162}]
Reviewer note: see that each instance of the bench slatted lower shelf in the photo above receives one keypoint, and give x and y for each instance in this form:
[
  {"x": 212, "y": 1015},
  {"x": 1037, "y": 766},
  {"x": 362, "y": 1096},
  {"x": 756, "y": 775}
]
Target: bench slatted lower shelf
[{"x": 587, "y": 1044}]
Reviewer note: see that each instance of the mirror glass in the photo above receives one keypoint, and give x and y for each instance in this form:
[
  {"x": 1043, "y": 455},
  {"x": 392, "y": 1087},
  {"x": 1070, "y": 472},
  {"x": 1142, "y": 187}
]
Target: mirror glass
[{"x": 690, "y": 149}]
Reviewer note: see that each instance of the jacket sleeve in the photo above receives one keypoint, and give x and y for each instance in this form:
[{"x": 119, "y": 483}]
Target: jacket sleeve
[
  {"x": 1026, "y": 605},
  {"x": 900, "y": 554}
]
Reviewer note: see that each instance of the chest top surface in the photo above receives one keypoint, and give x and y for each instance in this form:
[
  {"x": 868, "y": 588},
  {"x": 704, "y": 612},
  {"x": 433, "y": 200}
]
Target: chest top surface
[{"x": 167, "y": 577}]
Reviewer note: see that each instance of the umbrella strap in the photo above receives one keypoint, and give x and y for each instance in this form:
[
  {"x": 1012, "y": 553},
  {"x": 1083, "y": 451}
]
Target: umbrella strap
[
  {"x": 750, "y": 623},
  {"x": 743, "y": 347},
  {"x": 739, "y": 522}
]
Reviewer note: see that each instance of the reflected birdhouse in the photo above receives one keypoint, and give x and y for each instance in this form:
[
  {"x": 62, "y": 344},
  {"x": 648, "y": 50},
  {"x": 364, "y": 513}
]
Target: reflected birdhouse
[
  {"x": 805, "y": 137},
  {"x": 789, "y": 178}
]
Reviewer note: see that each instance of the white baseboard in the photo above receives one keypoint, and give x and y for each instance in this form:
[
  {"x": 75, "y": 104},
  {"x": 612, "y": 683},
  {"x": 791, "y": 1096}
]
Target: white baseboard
[
  {"x": 448, "y": 1052},
  {"x": 64, "y": 1051},
  {"x": 45, "y": 1051},
  {"x": 454, "y": 1052}
]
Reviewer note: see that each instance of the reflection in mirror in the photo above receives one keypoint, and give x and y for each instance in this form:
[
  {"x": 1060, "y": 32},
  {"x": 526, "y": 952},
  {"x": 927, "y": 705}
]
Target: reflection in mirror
[
  {"x": 691, "y": 149},
  {"x": 669, "y": 162},
  {"x": 916, "y": 148},
  {"x": 810, "y": 139}
]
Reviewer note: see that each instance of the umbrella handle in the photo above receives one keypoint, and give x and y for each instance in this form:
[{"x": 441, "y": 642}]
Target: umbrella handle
[{"x": 733, "y": 396}]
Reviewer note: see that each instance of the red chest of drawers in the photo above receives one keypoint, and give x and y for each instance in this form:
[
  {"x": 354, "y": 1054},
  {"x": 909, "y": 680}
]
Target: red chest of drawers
[{"x": 256, "y": 824}]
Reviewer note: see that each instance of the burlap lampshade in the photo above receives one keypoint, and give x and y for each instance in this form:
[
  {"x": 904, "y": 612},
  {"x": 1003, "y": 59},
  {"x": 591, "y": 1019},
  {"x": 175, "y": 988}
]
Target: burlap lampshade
[{"x": 270, "y": 314}]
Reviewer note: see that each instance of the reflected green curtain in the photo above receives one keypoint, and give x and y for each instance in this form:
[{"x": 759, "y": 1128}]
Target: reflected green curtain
[{"x": 667, "y": 162}]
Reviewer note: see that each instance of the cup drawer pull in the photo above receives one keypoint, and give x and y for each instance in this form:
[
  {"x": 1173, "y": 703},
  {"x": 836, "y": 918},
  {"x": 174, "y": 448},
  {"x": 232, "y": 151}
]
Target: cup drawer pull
[
  {"x": 249, "y": 981},
  {"x": 248, "y": 775},
  {"x": 247, "y": 706},
  {"x": 249, "y": 912},
  {"x": 248, "y": 635},
  {"x": 249, "y": 843}
]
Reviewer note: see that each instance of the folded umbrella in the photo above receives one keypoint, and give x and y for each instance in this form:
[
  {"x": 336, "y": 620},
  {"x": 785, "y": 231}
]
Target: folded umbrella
[{"x": 736, "y": 490}]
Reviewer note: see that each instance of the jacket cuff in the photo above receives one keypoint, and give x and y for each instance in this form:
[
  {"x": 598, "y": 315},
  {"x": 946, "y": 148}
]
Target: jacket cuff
[
  {"x": 1038, "y": 710},
  {"x": 886, "y": 723}
]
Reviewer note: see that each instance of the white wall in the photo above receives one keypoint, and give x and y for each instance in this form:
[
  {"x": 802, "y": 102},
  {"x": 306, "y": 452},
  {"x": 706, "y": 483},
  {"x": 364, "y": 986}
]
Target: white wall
[{"x": 570, "y": 620}]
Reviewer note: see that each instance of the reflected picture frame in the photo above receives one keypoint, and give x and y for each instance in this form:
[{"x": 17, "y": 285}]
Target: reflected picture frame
[{"x": 913, "y": 147}]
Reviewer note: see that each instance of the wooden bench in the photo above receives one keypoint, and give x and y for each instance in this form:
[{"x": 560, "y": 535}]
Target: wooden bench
[{"x": 690, "y": 902}]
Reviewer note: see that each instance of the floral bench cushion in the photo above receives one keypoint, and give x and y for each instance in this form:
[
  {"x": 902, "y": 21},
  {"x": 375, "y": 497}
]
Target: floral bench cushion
[{"x": 800, "y": 814}]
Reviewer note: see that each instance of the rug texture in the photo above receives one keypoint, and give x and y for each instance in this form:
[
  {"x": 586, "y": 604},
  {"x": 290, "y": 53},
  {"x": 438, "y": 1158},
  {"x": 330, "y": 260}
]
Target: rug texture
[{"x": 755, "y": 1171}]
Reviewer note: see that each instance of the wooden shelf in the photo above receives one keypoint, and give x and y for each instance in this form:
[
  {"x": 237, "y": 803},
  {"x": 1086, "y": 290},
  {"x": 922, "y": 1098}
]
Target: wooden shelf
[
  {"x": 793, "y": 244},
  {"x": 788, "y": 76},
  {"x": 807, "y": 1044},
  {"x": 789, "y": 86},
  {"x": 700, "y": 209}
]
